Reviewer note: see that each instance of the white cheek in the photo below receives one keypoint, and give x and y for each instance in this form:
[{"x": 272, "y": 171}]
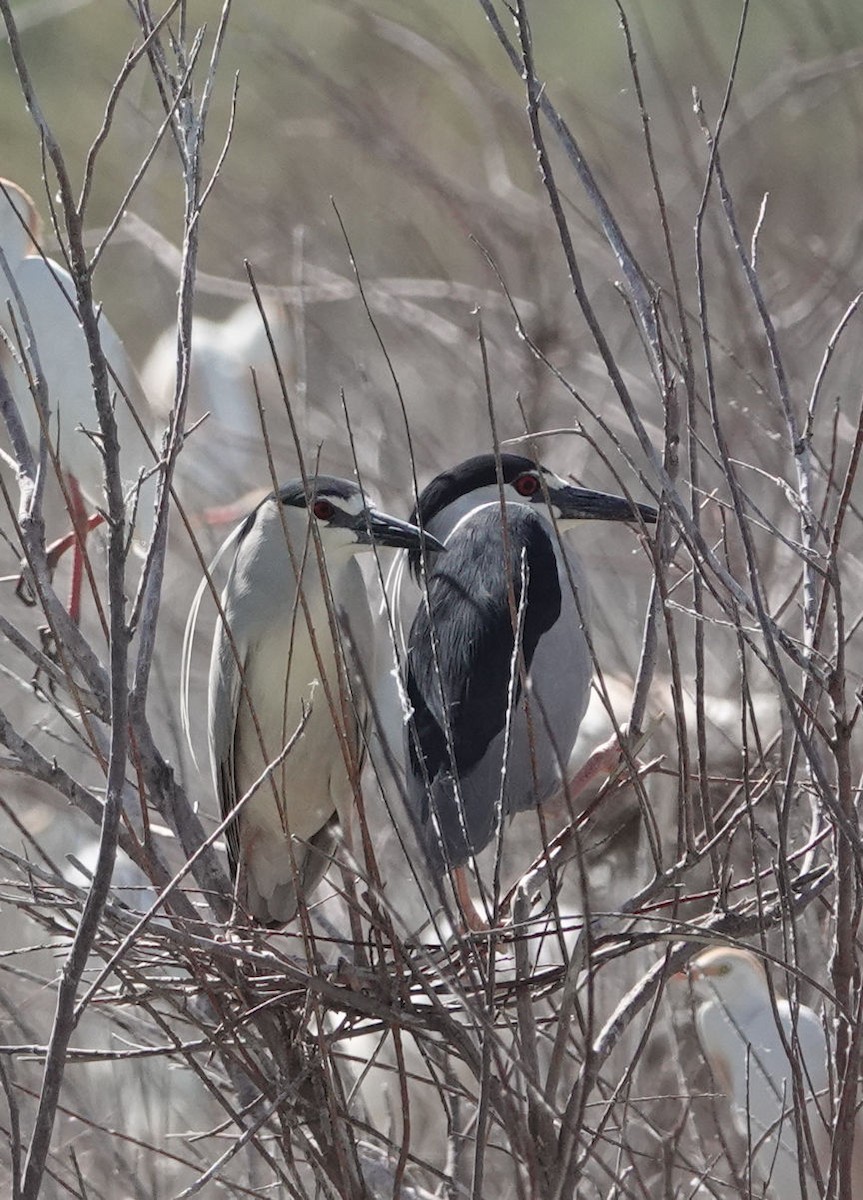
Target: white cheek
[
  {"x": 353, "y": 505},
  {"x": 335, "y": 539}
]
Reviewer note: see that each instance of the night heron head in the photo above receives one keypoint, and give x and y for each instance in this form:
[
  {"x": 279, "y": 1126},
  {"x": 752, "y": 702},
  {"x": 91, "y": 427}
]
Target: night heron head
[
  {"x": 344, "y": 518},
  {"x": 515, "y": 479},
  {"x": 20, "y": 224}
]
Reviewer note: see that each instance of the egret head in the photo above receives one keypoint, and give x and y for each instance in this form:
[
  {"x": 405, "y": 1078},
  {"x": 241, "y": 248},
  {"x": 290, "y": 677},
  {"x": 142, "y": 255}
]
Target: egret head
[{"x": 730, "y": 974}]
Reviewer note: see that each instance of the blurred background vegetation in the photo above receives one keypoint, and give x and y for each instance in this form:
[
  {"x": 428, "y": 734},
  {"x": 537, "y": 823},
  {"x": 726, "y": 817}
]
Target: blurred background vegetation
[{"x": 410, "y": 118}]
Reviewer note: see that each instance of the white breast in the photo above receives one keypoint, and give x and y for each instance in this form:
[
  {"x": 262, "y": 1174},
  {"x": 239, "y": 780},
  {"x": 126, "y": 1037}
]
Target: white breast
[{"x": 291, "y": 735}]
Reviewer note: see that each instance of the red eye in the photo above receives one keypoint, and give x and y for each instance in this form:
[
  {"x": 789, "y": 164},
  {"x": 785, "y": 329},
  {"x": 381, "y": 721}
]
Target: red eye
[
  {"x": 526, "y": 485},
  {"x": 323, "y": 510}
]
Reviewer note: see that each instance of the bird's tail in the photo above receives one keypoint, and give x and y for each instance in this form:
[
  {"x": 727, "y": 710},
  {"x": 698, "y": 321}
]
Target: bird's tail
[{"x": 312, "y": 858}]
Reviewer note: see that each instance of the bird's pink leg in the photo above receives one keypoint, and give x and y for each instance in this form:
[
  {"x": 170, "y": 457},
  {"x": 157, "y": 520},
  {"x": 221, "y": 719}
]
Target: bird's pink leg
[
  {"x": 76, "y": 539},
  {"x": 73, "y": 540},
  {"x": 473, "y": 921},
  {"x": 604, "y": 759},
  {"x": 57, "y": 549}
]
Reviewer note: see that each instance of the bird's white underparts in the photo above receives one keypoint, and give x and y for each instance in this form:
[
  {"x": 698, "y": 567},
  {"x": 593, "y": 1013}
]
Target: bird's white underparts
[
  {"x": 41, "y": 337},
  {"x": 292, "y": 656}
]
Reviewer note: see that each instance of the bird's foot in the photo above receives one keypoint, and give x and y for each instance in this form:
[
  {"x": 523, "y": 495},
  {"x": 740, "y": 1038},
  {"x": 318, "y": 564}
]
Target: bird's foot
[
  {"x": 232, "y": 935},
  {"x": 351, "y": 975},
  {"x": 604, "y": 760},
  {"x": 24, "y": 590},
  {"x": 48, "y": 644},
  {"x": 25, "y": 587},
  {"x": 471, "y": 921}
]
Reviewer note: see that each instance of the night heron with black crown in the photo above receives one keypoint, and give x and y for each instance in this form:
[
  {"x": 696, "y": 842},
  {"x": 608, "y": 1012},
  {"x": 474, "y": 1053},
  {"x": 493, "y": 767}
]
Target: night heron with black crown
[
  {"x": 497, "y": 666},
  {"x": 291, "y": 657}
]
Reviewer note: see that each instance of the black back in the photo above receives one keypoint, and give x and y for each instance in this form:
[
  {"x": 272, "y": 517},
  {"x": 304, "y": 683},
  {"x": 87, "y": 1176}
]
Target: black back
[{"x": 469, "y": 609}]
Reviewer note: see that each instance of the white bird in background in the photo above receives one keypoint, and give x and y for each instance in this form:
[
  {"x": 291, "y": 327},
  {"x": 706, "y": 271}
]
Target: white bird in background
[
  {"x": 739, "y": 1031},
  {"x": 228, "y": 449},
  {"x": 60, "y": 349}
]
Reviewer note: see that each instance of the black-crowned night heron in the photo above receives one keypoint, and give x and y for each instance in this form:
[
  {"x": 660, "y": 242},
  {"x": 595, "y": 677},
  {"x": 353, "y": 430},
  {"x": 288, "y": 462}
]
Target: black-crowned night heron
[
  {"x": 58, "y": 350},
  {"x": 744, "y": 1038},
  {"x": 287, "y": 676},
  {"x": 505, "y": 570}
]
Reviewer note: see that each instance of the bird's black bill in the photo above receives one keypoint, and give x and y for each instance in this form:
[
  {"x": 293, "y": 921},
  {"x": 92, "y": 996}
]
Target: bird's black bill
[
  {"x": 581, "y": 504},
  {"x": 384, "y": 530}
]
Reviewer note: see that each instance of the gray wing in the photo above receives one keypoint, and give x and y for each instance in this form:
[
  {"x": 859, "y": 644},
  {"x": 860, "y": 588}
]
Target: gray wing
[
  {"x": 360, "y": 650},
  {"x": 224, "y": 701},
  {"x": 468, "y": 680},
  {"x": 227, "y": 662}
]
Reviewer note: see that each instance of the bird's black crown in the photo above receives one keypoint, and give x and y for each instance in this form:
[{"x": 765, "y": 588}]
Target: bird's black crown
[
  {"x": 479, "y": 471},
  {"x": 294, "y": 492}
]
